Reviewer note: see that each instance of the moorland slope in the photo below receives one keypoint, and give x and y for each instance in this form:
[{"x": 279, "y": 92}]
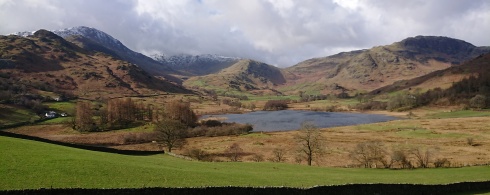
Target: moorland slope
[
  {"x": 366, "y": 70},
  {"x": 47, "y": 62},
  {"x": 245, "y": 75}
]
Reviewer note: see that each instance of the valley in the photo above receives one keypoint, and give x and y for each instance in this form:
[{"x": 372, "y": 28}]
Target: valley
[
  {"x": 445, "y": 132},
  {"x": 83, "y": 86}
]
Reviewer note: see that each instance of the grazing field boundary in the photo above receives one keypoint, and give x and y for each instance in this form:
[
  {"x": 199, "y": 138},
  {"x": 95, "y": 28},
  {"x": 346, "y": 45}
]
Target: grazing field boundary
[
  {"x": 28, "y": 164},
  {"x": 464, "y": 187},
  {"x": 19, "y": 124},
  {"x": 84, "y": 147}
]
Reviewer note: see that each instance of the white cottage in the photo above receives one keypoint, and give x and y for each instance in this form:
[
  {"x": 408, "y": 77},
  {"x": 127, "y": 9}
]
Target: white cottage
[{"x": 50, "y": 114}]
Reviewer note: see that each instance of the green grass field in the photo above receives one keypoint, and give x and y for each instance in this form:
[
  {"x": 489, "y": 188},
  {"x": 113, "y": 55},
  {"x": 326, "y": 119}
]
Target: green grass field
[
  {"x": 271, "y": 97},
  {"x": 424, "y": 133},
  {"x": 30, "y": 165},
  {"x": 337, "y": 102},
  {"x": 396, "y": 125},
  {"x": 61, "y": 106},
  {"x": 59, "y": 120},
  {"x": 11, "y": 115},
  {"x": 309, "y": 88},
  {"x": 460, "y": 114}
]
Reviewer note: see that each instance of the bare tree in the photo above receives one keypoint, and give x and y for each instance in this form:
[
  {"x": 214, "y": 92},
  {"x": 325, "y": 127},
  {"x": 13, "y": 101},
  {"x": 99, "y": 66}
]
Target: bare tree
[
  {"x": 278, "y": 155},
  {"x": 442, "y": 162},
  {"x": 73, "y": 122},
  {"x": 234, "y": 152},
  {"x": 83, "y": 118},
  {"x": 400, "y": 157},
  {"x": 478, "y": 102},
  {"x": 423, "y": 156},
  {"x": 149, "y": 112},
  {"x": 310, "y": 141},
  {"x": 180, "y": 111},
  {"x": 257, "y": 158},
  {"x": 252, "y": 106},
  {"x": 121, "y": 112},
  {"x": 171, "y": 133},
  {"x": 198, "y": 154},
  {"x": 369, "y": 154},
  {"x": 298, "y": 158}
]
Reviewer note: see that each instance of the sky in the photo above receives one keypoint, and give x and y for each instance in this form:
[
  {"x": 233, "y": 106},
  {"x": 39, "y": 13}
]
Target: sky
[{"x": 278, "y": 32}]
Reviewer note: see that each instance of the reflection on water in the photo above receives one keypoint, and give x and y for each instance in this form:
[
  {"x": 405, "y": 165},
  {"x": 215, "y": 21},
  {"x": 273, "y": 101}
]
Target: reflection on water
[{"x": 292, "y": 119}]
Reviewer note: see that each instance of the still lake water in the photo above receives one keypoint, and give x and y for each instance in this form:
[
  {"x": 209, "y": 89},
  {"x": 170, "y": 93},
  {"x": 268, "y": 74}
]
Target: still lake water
[{"x": 285, "y": 120}]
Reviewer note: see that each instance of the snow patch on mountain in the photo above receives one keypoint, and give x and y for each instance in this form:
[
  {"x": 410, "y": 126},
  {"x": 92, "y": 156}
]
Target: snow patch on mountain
[
  {"x": 183, "y": 60},
  {"x": 23, "y": 34}
]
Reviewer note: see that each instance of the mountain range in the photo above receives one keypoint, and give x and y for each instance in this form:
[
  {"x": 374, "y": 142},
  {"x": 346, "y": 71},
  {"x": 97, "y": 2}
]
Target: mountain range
[
  {"x": 164, "y": 66},
  {"x": 355, "y": 71},
  {"x": 96, "y": 40},
  {"x": 45, "y": 60}
]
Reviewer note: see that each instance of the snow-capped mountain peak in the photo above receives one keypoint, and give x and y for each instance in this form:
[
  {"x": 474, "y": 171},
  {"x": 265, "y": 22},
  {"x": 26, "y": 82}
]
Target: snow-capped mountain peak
[{"x": 90, "y": 33}]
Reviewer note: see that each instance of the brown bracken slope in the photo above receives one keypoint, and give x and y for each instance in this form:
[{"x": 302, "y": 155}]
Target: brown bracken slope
[
  {"x": 366, "y": 70},
  {"x": 45, "y": 59},
  {"x": 441, "y": 78}
]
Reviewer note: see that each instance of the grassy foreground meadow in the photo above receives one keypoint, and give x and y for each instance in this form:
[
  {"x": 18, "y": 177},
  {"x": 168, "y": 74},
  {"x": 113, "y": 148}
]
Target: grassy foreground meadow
[{"x": 30, "y": 165}]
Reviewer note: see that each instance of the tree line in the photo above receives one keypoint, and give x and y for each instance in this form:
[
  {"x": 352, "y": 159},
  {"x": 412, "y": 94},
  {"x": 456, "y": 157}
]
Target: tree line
[
  {"x": 309, "y": 141},
  {"x": 124, "y": 113},
  {"x": 173, "y": 122},
  {"x": 472, "y": 92},
  {"x": 375, "y": 154}
]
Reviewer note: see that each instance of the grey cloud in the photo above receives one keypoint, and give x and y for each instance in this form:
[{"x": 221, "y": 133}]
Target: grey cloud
[{"x": 279, "y": 32}]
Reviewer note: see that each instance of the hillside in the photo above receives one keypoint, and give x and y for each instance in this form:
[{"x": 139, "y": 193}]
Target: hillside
[
  {"x": 197, "y": 65},
  {"x": 96, "y": 40},
  {"x": 366, "y": 70},
  {"x": 47, "y": 62},
  {"x": 245, "y": 75},
  {"x": 441, "y": 78}
]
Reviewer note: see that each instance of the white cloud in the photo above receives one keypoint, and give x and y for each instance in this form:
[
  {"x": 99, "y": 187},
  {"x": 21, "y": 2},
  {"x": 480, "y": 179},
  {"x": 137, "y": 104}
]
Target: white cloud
[
  {"x": 279, "y": 32},
  {"x": 349, "y": 4}
]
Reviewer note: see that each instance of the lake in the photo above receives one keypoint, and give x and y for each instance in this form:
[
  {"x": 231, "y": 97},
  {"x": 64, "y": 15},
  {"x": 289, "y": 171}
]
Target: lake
[{"x": 291, "y": 119}]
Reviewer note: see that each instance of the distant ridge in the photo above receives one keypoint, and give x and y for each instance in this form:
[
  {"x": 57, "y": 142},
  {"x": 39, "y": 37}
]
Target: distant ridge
[
  {"x": 244, "y": 75},
  {"x": 197, "y": 65},
  {"x": 369, "y": 69}
]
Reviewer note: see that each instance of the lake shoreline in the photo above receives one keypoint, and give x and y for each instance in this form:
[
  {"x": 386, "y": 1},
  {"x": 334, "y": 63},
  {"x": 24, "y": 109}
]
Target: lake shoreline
[
  {"x": 287, "y": 120},
  {"x": 380, "y": 112}
]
